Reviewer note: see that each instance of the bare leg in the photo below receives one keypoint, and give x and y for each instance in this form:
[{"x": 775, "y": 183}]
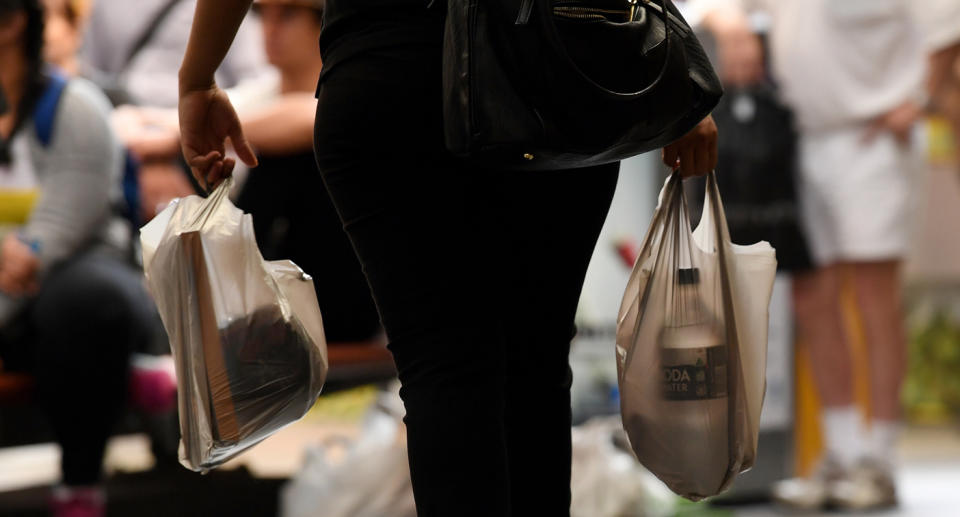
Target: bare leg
[
  {"x": 816, "y": 302},
  {"x": 878, "y": 299}
]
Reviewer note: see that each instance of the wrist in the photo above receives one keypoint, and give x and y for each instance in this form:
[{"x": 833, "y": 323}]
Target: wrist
[{"x": 191, "y": 81}]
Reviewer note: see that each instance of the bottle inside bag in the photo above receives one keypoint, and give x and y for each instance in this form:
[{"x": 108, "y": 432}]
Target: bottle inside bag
[{"x": 693, "y": 358}]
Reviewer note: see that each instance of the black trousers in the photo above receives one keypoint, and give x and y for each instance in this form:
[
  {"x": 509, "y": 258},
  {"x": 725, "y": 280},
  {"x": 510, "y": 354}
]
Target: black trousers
[
  {"x": 76, "y": 337},
  {"x": 476, "y": 275}
]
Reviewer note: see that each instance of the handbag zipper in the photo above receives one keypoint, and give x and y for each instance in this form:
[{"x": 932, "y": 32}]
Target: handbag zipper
[{"x": 591, "y": 13}]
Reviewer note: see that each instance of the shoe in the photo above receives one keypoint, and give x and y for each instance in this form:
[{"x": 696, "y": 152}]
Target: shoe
[
  {"x": 78, "y": 502},
  {"x": 869, "y": 485},
  {"x": 809, "y": 493}
]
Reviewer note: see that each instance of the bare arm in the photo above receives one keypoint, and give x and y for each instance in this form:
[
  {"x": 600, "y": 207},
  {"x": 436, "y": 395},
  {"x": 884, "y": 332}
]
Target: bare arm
[
  {"x": 215, "y": 25},
  {"x": 207, "y": 118},
  {"x": 283, "y": 127}
]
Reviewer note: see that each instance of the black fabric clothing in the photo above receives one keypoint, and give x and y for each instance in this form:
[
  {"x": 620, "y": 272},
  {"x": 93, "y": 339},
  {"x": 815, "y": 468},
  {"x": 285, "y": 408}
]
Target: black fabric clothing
[
  {"x": 354, "y": 27},
  {"x": 76, "y": 337},
  {"x": 476, "y": 274},
  {"x": 293, "y": 218}
]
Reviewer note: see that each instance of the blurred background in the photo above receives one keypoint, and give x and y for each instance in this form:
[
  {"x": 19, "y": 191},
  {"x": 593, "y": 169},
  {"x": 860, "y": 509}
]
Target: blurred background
[{"x": 346, "y": 457}]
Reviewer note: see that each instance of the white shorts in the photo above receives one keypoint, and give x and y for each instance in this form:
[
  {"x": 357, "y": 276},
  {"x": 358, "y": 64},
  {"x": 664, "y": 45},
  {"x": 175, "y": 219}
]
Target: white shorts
[{"x": 856, "y": 197}]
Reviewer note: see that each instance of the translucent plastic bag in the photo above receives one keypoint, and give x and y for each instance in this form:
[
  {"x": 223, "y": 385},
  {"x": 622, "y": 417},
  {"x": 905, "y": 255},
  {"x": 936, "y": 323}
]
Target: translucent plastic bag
[
  {"x": 246, "y": 334},
  {"x": 691, "y": 346},
  {"x": 370, "y": 477}
]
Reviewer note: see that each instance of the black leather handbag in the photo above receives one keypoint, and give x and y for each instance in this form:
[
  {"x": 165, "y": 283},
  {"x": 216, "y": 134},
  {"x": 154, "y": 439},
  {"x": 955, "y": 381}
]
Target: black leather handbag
[{"x": 555, "y": 84}]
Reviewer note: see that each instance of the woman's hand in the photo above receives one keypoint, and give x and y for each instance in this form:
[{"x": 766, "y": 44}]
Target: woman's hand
[
  {"x": 207, "y": 119},
  {"x": 18, "y": 267},
  {"x": 695, "y": 154}
]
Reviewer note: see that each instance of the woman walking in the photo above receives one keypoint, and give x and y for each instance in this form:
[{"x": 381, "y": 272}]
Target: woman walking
[{"x": 476, "y": 272}]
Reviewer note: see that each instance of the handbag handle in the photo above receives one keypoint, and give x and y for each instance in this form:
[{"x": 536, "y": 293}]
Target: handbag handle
[{"x": 523, "y": 18}]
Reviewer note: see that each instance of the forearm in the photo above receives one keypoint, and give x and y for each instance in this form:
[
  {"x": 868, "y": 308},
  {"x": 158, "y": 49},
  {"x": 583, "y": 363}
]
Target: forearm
[
  {"x": 215, "y": 25},
  {"x": 286, "y": 126}
]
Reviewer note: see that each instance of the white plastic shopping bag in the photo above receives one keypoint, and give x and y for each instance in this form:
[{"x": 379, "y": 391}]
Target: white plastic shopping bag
[
  {"x": 691, "y": 346},
  {"x": 370, "y": 477},
  {"x": 246, "y": 334}
]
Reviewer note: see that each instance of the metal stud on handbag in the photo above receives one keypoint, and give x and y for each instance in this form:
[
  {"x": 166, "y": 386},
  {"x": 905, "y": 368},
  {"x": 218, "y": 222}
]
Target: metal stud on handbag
[{"x": 554, "y": 84}]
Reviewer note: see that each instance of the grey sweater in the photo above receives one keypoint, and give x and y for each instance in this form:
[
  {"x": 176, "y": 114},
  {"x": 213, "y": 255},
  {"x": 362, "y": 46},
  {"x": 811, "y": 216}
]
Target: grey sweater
[{"x": 78, "y": 178}]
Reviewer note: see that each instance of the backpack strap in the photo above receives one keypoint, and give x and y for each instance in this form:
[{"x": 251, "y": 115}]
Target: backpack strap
[{"x": 45, "y": 112}]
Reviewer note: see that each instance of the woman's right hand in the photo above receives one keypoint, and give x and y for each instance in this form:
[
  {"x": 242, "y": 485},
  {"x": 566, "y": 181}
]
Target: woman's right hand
[
  {"x": 207, "y": 119},
  {"x": 694, "y": 154}
]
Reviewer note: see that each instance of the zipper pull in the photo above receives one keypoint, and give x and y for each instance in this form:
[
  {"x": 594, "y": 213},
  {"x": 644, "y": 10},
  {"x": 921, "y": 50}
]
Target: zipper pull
[{"x": 526, "y": 7}]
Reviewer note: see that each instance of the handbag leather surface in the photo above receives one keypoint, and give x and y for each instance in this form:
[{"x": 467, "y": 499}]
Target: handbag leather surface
[{"x": 557, "y": 84}]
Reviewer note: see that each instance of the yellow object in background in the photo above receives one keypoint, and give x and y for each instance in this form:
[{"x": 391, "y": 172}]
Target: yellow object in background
[
  {"x": 941, "y": 142},
  {"x": 15, "y": 206}
]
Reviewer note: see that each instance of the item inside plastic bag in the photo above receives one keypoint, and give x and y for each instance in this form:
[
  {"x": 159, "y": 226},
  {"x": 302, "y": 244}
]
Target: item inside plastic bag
[
  {"x": 364, "y": 477},
  {"x": 246, "y": 334},
  {"x": 691, "y": 346}
]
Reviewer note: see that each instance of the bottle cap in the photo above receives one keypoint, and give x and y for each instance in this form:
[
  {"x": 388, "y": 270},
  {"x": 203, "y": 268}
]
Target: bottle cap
[{"x": 689, "y": 276}]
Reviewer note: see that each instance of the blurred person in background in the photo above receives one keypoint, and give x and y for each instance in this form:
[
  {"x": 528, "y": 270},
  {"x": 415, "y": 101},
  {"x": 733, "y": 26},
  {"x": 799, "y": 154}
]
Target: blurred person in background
[
  {"x": 293, "y": 215},
  {"x": 132, "y": 50},
  {"x": 135, "y": 48},
  {"x": 71, "y": 307},
  {"x": 62, "y": 35},
  {"x": 853, "y": 72}
]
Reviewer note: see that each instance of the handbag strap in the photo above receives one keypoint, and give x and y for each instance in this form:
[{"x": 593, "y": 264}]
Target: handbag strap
[{"x": 149, "y": 32}]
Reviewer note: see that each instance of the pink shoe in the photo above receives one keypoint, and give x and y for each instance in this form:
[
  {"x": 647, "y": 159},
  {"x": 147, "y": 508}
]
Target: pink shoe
[
  {"x": 78, "y": 502},
  {"x": 153, "y": 384}
]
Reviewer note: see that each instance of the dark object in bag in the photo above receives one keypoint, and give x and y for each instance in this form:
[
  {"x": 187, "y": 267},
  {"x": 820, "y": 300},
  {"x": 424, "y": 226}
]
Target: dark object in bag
[
  {"x": 553, "y": 84},
  {"x": 258, "y": 351},
  {"x": 249, "y": 365},
  {"x": 757, "y": 160}
]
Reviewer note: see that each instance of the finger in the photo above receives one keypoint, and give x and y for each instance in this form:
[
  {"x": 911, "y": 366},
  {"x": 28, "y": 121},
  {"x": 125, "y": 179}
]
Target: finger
[
  {"x": 688, "y": 162},
  {"x": 206, "y": 161},
  {"x": 214, "y": 176},
  {"x": 242, "y": 147},
  {"x": 670, "y": 156},
  {"x": 201, "y": 166},
  {"x": 228, "y": 166}
]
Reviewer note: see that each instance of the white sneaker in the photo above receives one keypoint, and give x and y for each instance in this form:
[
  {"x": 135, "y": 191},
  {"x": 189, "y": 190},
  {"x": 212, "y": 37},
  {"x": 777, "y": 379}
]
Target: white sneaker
[
  {"x": 867, "y": 486},
  {"x": 809, "y": 493}
]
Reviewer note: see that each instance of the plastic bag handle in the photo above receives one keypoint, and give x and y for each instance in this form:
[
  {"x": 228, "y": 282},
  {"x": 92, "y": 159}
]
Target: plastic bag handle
[
  {"x": 211, "y": 203},
  {"x": 673, "y": 189},
  {"x": 735, "y": 381}
]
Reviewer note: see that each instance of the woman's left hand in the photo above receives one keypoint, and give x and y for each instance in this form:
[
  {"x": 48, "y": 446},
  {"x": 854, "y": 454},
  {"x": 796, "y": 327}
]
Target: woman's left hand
[
  {"x": 694, "y": 154},
  {"x": 18, "y": 267}
]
